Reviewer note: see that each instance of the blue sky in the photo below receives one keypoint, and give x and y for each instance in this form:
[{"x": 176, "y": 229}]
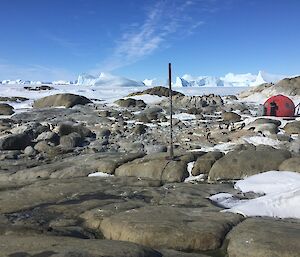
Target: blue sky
[{"x": 59, "y": 39}]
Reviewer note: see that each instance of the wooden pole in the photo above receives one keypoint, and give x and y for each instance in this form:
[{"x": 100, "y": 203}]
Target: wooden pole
[{"x": 171, "y": 113}]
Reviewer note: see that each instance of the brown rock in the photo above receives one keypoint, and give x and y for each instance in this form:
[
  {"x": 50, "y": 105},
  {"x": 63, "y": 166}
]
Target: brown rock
[
  {"x": 6, "y": 109},
  {"x": 292, "y": 127},
  {"x": 205, "y": 162},
  {"x": 188, "y": 229},
  {"x": 239, "y": 164},
  {"x": 292, "y": 164},
  {"x": 68, "y": 246},
  {"x": 66, "y": 100},
  {"x": 231, "y": 117},
  {"x": 257, "y": 237}
]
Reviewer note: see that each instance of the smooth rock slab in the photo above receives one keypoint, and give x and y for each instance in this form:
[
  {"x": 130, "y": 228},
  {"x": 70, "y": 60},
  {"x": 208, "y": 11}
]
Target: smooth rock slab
[
  {"x": 164, "y": 170},
  {"x": 239, "y": 164},
  {"x": 292, "y": 127},
  {"x": 27, "y": 246},
  {"x": 259, "y": 237},
  {"x": 75, "y": 166},
  {"x": 50, "y": 192},
  {"x": 158, "y": 167},
  {"x": 188, "y": 229},
  {"x": 292, "y": 164}
]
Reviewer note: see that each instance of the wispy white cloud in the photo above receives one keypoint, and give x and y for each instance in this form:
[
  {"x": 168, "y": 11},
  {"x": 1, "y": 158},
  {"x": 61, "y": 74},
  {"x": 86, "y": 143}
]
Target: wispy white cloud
[
  {"x": 161, "y": 21},
  {"x": 33, "y": 72}
]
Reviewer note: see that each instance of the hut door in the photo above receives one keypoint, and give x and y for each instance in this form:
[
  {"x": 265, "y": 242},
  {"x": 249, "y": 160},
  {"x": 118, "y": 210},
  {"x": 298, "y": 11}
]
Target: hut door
[{"x": 273, "y": 108}]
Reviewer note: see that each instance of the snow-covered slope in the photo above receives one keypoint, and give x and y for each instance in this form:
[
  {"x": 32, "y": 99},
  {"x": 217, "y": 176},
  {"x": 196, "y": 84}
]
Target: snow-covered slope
[
  {"x": 20, "y": 82},
  {"x": 107, "y": 80},
  {"x": 61, "y": 82},
  {"x": 29, "y": 82},
  {"x": 229, "y": 80}
]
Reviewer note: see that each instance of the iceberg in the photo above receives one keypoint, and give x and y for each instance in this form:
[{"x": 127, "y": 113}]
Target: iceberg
[
  {"x": 229, "y": 80},
  {"x": 107, "y": 80},
  {"x": 61, "y": 82}
]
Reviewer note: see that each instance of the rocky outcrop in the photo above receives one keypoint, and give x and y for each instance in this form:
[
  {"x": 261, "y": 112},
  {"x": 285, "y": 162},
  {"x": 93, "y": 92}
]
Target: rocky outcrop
[
  {"x": 12, "y": 245},
  {"x": 292, "y": 164},
  {"x": 205, "y": 162},
  {"x": 39, "y": 88},
  {"x": 292, "y": 127},
  {"x": 130, "y": 102},
  {"x": 239, "y": 164},
  {"x": 75, "y": 166},
  {"x": 48, "y": 136},
  {"x": 157, "y": 167},
  {"x": 264, "y": 125},
  {"x": 140, "y": 129},
  {"x": 258, "y": 237},
  {"x": 66, "y": 100},
  {"x": 71, "y": 140},
  {"x": 159, "y": 91},
  {"x": 231, "y": 117},
  {"x": 6, "y": 109},
  {"x": 289, "y": 86},
  {"x": 15, "y": 142},
  {"x": 195, "y": 101},
  {"x": 254, "y": 90},
  {"x": 13, "y": 99},
  {"x": 261, "y": 121},
  {"x": 149, "y": 114},
  {"x": 170, "y": 227},
  {"x": 68, "y": 128}
]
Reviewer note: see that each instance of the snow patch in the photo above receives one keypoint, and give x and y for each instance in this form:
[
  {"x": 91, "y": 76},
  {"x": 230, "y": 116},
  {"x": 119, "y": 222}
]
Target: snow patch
[
  {"x": 183, "y": 116},
  {"x": 281, "y": 199},
  {"x": 226, "y": 200},
  {"x": 223, "y": 147},
  {"x": 261, "y": 140},
  {"x": 100, "y": 174},
  {"x": 191, "y": 177},
  {"x": 149, "y": 99}
]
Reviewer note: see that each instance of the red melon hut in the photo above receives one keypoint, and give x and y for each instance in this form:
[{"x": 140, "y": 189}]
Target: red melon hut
[{"x": 279, "y": 106}]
